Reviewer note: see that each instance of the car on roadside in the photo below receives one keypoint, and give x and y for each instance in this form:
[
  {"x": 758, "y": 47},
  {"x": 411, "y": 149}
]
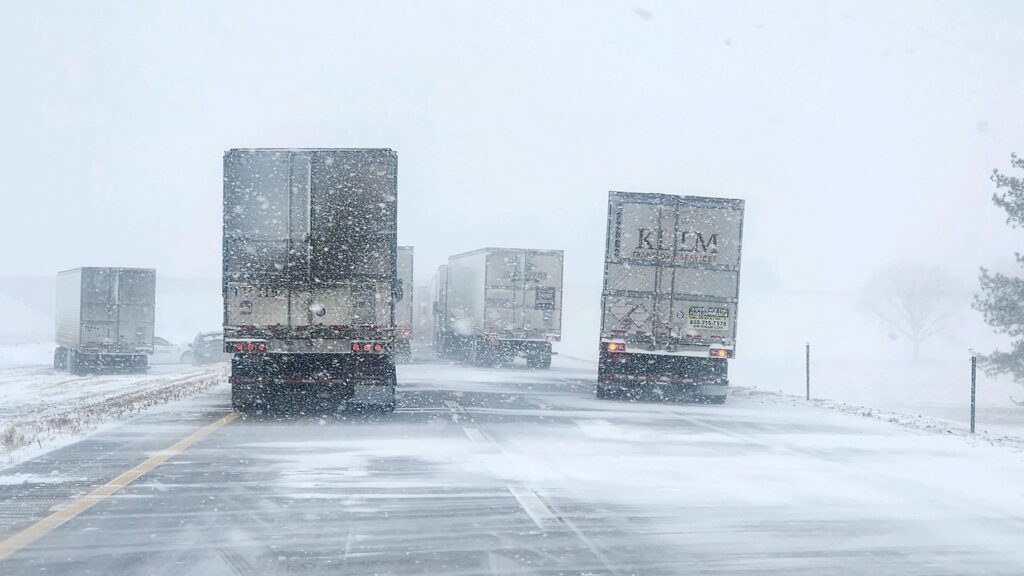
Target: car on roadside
[
  {"x": 208, "y": 347},
  {"x": 167, "y": 352}
]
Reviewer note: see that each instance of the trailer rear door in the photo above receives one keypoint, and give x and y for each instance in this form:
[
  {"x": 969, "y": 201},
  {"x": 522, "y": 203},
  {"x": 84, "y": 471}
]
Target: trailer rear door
[{"x": 135, "y": 309}]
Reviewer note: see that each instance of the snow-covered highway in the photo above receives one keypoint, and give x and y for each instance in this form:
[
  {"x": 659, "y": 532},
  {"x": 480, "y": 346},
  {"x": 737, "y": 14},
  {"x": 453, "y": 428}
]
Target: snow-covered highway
[{"x": 515, "y": 471}]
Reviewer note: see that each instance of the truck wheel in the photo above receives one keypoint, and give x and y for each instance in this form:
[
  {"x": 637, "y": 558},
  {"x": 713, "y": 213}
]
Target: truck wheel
[
  {"x": 238, "y": 404},
  {"x": 60, "y": 358},
  {"x": 711, "y": 399},
  {"x": 141, "y": 364},
  {"x": 241, "y": 398},
  {"x": 603, "y": 393},
  {"x": 477, "y": 356},
  {"x": 542, "y": 361},
  {"x": 186, "y": 358},
  {"x": 72, "y": 362}
]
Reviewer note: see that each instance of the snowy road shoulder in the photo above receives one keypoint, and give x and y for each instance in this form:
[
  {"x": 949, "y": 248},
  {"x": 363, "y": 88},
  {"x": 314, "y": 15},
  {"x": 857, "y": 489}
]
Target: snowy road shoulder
[
  {"x": 916, "y": 422},
  {"x": 42, "y": 409}
]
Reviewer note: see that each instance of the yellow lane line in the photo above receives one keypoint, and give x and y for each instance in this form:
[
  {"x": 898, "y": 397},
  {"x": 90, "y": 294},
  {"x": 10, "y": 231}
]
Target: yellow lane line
[{"x": 41, "y": 528}]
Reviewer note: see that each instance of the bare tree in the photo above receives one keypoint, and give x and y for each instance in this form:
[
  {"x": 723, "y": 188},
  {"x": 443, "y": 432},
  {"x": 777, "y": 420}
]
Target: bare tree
[{"x": 915, "y": 302}]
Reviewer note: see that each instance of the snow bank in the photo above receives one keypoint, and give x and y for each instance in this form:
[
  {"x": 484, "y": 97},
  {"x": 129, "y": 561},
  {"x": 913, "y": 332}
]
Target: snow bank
[{"x": 41, "y": 409}]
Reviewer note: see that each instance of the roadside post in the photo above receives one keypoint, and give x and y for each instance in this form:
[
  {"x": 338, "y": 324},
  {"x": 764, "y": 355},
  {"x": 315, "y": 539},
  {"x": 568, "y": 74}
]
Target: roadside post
[
  {"x": 807, "y": 371},
  {"x": 974, "y": 379}
]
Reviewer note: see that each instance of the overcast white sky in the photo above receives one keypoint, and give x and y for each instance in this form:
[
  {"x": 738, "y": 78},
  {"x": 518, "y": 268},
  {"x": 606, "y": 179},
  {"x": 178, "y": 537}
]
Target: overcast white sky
[{"x": 859, "y": 133}]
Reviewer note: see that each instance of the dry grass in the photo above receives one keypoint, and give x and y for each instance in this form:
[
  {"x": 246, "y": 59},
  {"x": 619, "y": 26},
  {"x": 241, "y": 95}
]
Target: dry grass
[{"x": 57, "y": 421}]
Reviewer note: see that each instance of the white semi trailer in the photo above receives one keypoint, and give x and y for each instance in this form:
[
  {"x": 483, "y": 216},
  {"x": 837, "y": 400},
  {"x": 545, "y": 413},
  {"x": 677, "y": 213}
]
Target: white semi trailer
[
  {"x": 670, "y": 295},
  {"x": 500, "y": 303},
  {"x": 104, "y": 319},
  {"x": 439, "y": 306}
]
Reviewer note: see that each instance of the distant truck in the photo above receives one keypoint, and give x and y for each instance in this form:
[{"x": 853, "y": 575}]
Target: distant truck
[
  {"x": 105, "y": 319},
  {"x": 309, "y": 279},
  {"x": 404, "y": 307},
  {"x": 422, "y": 321},
  {"x": 670, "y": 295},
  {"x": 500, "y": 303},
  {"x": 439, "y": 305}
]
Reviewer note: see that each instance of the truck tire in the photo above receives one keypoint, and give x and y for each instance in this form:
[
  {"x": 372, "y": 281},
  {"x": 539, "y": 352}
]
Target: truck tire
[
  {"x": 605, "y": 393},
  {"x": 140, "y": 364},
  {"x": 711, "y": 399},
  {"x": 477, "y": 355},
  {"x": 60, "y": 358},
  {"x": 542, "y": 361},
  {"x": 386, "y": 408},
  {"x": 239, "y": 402},
  {"x": 186, "y": 358},
  {"x": 72, "y": 362}
]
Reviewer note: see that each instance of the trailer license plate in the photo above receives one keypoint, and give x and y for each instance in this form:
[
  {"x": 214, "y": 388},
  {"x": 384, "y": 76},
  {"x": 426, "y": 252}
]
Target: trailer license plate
[{"x": 707, "y": 318}]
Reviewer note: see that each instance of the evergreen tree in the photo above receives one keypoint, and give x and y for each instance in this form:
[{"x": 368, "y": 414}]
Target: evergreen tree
[{"x": 1001, "y": 299}]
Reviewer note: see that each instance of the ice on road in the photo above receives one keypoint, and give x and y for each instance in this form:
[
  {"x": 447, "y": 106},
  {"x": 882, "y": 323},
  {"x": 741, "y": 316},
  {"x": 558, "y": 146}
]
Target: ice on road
[{"x": 516, "y": 471}]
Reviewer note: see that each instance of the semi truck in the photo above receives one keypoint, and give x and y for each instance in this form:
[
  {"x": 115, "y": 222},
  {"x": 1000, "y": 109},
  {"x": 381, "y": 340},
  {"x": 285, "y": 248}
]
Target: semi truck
[
  {"x": 309, "y": 276},
  {"x": 404, "y": 307},
  {"x": 670, "y": 295},
  {"x": 439, "y": 305},
  {"x": 104, "y": 319},
  {"x": 422, "y": 321},
  {"x": 502, "y": 303}
]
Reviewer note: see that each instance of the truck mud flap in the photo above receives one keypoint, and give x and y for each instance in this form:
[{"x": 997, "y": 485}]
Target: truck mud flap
[{"x": 373, "y": 394}]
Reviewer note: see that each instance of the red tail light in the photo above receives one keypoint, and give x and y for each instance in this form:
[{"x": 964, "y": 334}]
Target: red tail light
[
  {"x": 720, "y": 353},
  {"x": 364, "y": 347},
  {"x": 615, "y": 346},
  {"x": 247, "y": 346}
]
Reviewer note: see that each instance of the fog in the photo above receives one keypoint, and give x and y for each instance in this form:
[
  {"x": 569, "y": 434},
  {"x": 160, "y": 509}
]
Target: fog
[
  {"x": 825, "y": 421},
  {"x": 859, "y": 135}
]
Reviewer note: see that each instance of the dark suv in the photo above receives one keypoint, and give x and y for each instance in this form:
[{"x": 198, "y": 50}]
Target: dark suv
[{"x": 209, "y": 347}]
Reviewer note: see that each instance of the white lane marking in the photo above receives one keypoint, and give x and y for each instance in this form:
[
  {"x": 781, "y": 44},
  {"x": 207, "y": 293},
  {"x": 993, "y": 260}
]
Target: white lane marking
[
  {"x": 541, "y": 515},
  {"x": 348, "y": 544},
  {"x": 589, "y": 543},
  {"x": 70, "y": 511},
  {"x": 599, "y": 429},
  {"x": 539, "y": 512},
  {"x": 474, "y": 434},
  {"x": 721, "y": 430}
]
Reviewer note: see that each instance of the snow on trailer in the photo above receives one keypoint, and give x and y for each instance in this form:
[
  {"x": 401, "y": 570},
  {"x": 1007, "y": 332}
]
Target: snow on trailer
[
  {"x": 104, "y": 319},
  {"x": 404, "y": 305},
  {"x": 309, "y": 278},
  {"x": 670, "y": 295},
  {"x": 499, "y": 303}
]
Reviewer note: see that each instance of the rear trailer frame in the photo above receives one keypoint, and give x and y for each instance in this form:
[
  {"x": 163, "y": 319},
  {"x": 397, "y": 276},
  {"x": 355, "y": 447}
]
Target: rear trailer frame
[
  {"x": 497, "y": 304},
  {"x": 104, "y": 319},
  {"x": 670, "y": 295},
  {"x": 310, "y": 275}
]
